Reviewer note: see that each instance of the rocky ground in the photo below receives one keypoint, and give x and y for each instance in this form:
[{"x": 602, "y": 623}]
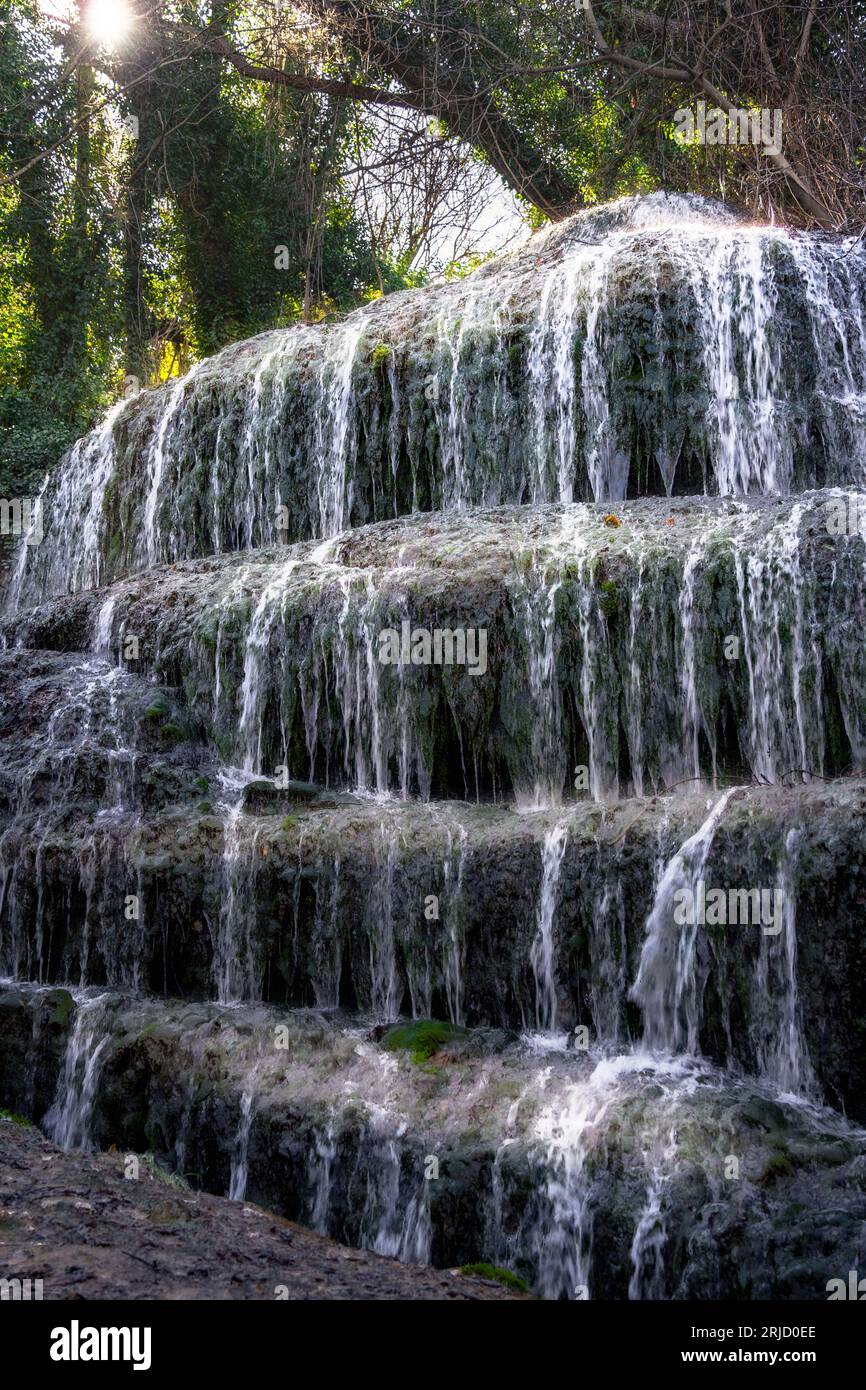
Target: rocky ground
[{"x": 74, "y": 1221}]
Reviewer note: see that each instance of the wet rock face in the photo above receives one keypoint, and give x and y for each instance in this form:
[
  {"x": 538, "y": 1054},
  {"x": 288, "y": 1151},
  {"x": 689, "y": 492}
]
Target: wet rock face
[
  {"x": 519, "y": 652},
  {"x": 469, "y": 1156},
  {"x": 335, "y": 909},
  {"x": 653, "y": 347}
]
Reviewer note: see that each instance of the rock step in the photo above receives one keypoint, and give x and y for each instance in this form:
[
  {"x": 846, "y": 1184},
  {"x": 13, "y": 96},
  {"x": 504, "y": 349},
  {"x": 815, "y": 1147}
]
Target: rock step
[
  {"x": 651, "y": 346},
  {"x": 441, "y": 910},
  {"x": 516, "y": 652},
  {"x": 487, "y": 1149}
]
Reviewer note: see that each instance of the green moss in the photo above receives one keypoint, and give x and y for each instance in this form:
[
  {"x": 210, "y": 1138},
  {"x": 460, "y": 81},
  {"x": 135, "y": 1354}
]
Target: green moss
[
  {"x": 380, "y": 355},
  {"x": 61, "y": 1004},
  {"x": 777, "y": 1166},
  {"x": 421, "y": 1038},
  {"x": 157, "y": 711},
  {"x": 609, "y": 599},
  {"x": 288, "y": 823},
  {"x": 501, "y": 1276},
  {"x": 172, "y": 733},
  {"x": 14, "y": 1119}
]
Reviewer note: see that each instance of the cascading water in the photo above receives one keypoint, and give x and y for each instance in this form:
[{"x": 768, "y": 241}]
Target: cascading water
[
  {"x": 240, "y": 1156},
  {"x": 156, "y": 469},
  {"x": 669, "y": 983},
  {"x": 782, "y": 1053},
  {"x": 69, "y": 1119},
  {"x": 543, "y": 954},
  {"x": 455, "y": 961},
  {"x": 537, "y": 605}
]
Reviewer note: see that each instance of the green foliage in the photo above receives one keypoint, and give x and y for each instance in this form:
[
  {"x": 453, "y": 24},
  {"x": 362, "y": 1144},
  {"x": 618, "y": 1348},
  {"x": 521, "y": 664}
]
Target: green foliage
[
  {"x": 160, "y": 1173},
  {"x": 138, "y": 255},
  {"x": 501, "y": 1276},
  {"x": 380, "y": 355}
]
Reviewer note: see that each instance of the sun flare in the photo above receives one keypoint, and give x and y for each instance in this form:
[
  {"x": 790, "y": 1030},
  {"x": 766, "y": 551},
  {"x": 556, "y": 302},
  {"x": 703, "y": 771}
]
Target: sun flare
[{"x": 108, "y": 21}]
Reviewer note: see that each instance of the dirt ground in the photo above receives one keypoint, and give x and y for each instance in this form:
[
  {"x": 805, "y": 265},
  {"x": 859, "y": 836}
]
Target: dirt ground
[{"x": 75, "y": 1222}]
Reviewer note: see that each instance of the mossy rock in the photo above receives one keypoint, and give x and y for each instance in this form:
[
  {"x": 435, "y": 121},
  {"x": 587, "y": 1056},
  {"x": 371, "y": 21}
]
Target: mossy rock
[
  {"x": 422, "y": 1038},
  {"x": 777, "y": 1166},
  {"x": 609, "y": 599},
  {"x": 61, "y": 1004}
]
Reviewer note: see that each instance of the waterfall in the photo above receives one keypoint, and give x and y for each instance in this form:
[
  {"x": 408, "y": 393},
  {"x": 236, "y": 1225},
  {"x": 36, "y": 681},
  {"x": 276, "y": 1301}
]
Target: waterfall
[
  {"x": 456, "y": 947},
  {"x": 70, "y": 556},
  {"x": 395, "y": 1217},
  {"x": 609, "y": 954},
  {"x": 68, "y": 1122},
  {"x": 235, "y": 967},
  {"x": 669, "y": 985},
  {"x": 335, "y": 431},
  {"x": 543, "y": 951},
  {"x": 693, "y": 723},
  {"x": 550, "y": 368},
  {"x": 836, "y": 296},
  {"x": 16, "y": 584},
  {"x": 103, "y": 627},
  {"x": 603, "y": 779},
  {"x": 327, "y": 941},
  {"x": 647, "y": 1253},
  {"x": 562, "y": 1232},
  {"x": 777, "y": 1024},
  {"x": 606, "y": 465},
  {"x": 647, "y": 1249},
  {"x": 152, "y": 545},
  {"x": 770, "y": 592},
  {"x": 630, "y": 453},
  {"x": 321, "y": 1176},
  {"x": 241, "y": 1148},
  {"x": 536, "y": 599},
  {"x": 734, "y": 289},
  {"x": 258, "y": 648},
  {"x": 385, "y": 986}
]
